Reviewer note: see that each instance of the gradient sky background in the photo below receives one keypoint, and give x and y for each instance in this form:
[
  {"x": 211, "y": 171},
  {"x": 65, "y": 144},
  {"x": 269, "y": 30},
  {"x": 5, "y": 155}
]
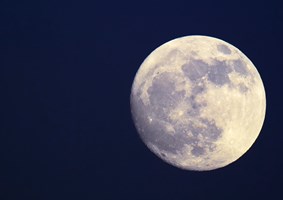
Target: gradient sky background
[{"x": 66, "y": 69}]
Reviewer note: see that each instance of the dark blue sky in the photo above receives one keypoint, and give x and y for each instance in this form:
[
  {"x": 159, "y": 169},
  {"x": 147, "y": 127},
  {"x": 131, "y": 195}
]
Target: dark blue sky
[{"x": 66, "y": 69}]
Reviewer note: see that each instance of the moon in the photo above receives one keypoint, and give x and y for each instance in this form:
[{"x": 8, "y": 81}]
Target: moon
[{"x": 198, "y": 103}]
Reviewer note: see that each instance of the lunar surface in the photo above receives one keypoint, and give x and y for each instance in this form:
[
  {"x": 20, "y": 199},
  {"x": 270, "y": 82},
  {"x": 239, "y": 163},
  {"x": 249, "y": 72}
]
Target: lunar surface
[{"x": 198, "y": 103}]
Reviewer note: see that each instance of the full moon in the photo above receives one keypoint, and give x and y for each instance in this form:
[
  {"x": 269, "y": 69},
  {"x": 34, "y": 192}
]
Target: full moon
[{"x": 198, "y": 103}]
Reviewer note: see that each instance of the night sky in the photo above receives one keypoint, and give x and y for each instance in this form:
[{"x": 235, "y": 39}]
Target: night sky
[{"x": 66, "y": 70}]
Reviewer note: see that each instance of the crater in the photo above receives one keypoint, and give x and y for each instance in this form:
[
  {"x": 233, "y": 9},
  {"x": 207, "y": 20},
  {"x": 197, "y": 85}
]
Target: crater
[
  {"x": 163, "y": 155},
  {"x": 223, "y": 49},
  {"x": 243, "y": 88}
]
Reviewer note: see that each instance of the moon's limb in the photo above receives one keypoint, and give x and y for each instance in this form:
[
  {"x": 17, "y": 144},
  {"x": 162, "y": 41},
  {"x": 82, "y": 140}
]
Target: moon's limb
[{"x": 193, "y": 102}]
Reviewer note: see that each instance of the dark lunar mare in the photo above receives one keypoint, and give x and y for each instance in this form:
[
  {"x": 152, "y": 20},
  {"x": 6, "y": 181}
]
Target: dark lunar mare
[
  {"x": 195, "y": 107},
  {"x": 154, "y": 131},
  {"x": 163, "y": 98},
  {"x": 223, "y": 49},
  {"x": 218, "y": 73},
  {"x": 240, "y": 67},
  {"x": 195, "y": 69},
  {"x": 163, "y": 95}
]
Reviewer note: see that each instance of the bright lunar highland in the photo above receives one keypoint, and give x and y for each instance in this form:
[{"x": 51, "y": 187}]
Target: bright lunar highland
[{"x": 198, "y": 103}]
